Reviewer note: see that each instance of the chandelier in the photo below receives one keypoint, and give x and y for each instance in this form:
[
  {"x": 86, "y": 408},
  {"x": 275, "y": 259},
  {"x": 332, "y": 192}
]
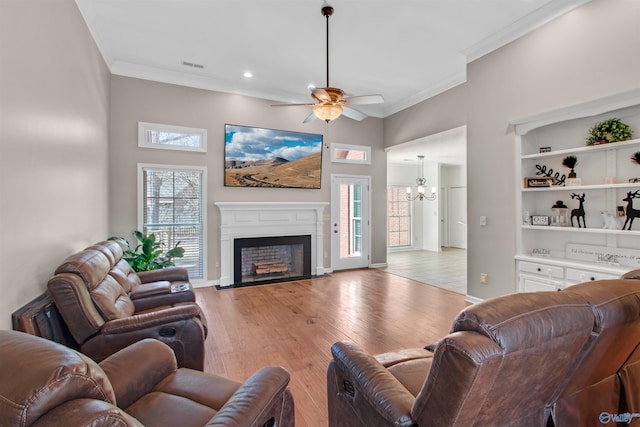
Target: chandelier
[{"x": 420, "y": 185}]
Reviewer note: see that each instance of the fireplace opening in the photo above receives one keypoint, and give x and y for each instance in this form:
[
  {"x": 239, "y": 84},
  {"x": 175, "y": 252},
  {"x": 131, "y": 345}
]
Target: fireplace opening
[{"x": 260, "y": 260}]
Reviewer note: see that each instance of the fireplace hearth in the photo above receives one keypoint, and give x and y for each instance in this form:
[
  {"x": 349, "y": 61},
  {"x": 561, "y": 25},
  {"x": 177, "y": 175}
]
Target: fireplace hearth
[{"x": 263, "y": 260}]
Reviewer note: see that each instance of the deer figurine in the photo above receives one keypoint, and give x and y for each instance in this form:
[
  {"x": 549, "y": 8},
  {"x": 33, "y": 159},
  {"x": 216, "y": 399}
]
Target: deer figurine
[
  {"x": 631, "y": 212},
  {"x": 579, "y": 212}
]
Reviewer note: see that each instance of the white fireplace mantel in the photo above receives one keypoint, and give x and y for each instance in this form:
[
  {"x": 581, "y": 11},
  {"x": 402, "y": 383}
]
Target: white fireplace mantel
[{"x": 269, "y": 219}]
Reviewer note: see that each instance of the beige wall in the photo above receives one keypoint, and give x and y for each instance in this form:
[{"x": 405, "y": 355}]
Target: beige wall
[
  {"x": 134, "y": 100},
  {"x": 54, "y": 95},
  {"x": 587, "y": 54}
]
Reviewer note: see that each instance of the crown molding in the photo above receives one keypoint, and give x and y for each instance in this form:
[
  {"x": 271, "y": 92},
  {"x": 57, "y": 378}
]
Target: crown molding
[
  {"x": 547, "y": 13},
  {"x": 442, "y": 86}
]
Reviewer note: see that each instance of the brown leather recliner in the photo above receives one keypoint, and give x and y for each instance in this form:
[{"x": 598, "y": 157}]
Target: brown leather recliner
[
  {"x": 506, "y": 362},
  {"x": 605, "y": 380},
  {"x": 45, "y": 383},
  {"x": 103, "y": 319},
  {"x": 147, "y": 289}
]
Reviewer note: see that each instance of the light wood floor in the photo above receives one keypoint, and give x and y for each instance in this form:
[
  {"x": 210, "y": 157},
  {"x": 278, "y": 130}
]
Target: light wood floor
[{"x": 294, "y": 324}]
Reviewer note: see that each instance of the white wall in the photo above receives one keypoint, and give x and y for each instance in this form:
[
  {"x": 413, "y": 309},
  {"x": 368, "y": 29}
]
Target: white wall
[{"x": 54, "y": 95}]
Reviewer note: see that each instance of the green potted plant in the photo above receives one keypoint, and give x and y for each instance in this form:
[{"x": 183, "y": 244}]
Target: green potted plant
[
  {"x": 148, "y": 254},
  {"x": 612, "y": 130}
]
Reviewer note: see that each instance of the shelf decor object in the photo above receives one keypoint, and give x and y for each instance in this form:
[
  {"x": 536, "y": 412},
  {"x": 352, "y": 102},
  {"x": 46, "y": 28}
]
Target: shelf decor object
[
  {"x": 570, "y": 162},
  {"x": 630, "y": 211},
  {"x": 556, "y": 178},
  {"x": 578, "y": 212},
  {"x": 560, "y": 214},
  {"x": 612, "y": 130}
]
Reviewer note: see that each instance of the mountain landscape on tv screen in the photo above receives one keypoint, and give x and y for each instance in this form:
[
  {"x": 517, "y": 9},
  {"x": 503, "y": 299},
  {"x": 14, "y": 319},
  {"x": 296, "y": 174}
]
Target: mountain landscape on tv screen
[{"x": 276, "y": 172}]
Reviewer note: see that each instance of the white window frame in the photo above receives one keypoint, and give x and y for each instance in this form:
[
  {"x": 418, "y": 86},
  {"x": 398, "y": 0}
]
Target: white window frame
[
  {"x": 350, "y": 147},
  {"x": 400, "y": 248},
  {"x": 203, "y": 204},
  {"x": 143, "y": 127}
]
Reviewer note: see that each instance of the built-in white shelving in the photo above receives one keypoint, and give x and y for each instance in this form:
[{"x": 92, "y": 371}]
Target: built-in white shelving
[{"x": 607, "y": 173}]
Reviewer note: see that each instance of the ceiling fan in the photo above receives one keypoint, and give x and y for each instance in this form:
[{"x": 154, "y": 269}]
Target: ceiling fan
[{"x": 331, "y": 101}]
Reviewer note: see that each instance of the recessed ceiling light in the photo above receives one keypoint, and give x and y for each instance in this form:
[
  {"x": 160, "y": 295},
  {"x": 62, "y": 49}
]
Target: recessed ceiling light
[{"x": 248, "y": 74}]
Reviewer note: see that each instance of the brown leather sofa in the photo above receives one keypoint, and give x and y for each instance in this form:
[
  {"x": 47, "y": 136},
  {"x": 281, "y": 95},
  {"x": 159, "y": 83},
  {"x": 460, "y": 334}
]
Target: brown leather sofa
[
  {"x": 92, "y": 294},
  {"x": 147, "y": 289},
  {"x": 530, "y": 359},
  {"x": 47, "y": 384}
]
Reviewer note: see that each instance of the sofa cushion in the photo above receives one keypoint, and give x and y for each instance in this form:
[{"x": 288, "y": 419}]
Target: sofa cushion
[
  {"x": 90, "y": 264},
  {"x": 111, "y": 300},
  {"x": 124, "y": 274}
]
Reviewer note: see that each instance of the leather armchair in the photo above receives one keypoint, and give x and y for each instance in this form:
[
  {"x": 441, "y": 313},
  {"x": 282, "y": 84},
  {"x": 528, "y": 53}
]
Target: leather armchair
[
  {"x": 103, "y": 319},
  {"x": 45, "y": 383},
  {"x": 503, "y": 363},
  {"x": 606, "y": 379},
  {"x": 147, "y": 289}
]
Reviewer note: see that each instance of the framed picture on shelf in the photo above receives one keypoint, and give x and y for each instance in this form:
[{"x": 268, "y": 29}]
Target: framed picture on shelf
[{"x": 537, "y": 182}]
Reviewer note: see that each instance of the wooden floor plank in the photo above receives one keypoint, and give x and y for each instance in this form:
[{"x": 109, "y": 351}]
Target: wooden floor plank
[{"x": 294, "y": 324}]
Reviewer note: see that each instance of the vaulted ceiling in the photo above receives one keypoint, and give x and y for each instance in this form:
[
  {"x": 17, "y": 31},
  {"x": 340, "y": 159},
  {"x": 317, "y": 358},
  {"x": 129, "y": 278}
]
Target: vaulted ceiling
[{"x": 405, "y": 50}]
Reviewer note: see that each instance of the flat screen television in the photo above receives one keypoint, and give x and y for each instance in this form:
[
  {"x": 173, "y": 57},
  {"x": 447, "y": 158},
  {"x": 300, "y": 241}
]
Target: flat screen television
[{"x": 258, "y": 157}]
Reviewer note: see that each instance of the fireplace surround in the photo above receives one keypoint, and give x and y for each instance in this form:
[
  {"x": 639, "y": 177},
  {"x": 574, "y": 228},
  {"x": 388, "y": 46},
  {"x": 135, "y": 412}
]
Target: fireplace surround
[{"x": 245, "y": 220}]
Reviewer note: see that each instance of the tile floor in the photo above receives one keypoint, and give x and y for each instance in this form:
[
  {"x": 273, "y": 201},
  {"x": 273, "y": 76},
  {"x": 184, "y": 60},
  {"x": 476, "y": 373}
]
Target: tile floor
[{"x": 446, "y": 269}]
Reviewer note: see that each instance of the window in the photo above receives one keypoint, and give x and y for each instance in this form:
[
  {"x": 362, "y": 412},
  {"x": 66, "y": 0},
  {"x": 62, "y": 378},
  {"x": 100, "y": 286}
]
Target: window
[
  {"x": 153, "y": 135},
  {"x": 344, "y": 153},
  {"x": 172, "y": 206},
  {"x": 398, "y": 217}
]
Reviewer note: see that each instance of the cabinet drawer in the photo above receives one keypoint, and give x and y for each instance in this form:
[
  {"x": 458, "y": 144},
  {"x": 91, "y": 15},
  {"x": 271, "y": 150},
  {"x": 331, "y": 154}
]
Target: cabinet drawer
[
  {"x": 580, "y": 276},
  {"x": 533, "y": 285},
  {"x": 543, "y": 269}
]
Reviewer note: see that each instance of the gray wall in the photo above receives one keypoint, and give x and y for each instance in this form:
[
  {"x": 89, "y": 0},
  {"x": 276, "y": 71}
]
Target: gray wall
[
  {"x": 587, "y": 54},
  {"x": 54, "y": 96},
  {"x": 134, "y": 100}
]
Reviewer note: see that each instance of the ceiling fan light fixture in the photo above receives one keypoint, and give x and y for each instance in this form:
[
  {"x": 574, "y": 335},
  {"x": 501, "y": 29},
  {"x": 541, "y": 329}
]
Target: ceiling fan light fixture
[{"x": 327, "y": 112}]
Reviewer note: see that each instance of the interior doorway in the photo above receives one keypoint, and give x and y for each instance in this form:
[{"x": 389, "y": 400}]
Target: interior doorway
[{"x": 436, "y": 252}]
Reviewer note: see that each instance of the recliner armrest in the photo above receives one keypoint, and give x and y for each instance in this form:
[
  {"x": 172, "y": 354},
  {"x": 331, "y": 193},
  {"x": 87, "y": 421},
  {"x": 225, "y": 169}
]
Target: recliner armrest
[
  {"x": 372, "y": 382},
  {"x": 87, "y": 412},
  {"x": 171, "y": 274},
  {"x": 253, "y": 403},
  {"x": 129, "y": 381},
  {"x": 154, "y": 318}
]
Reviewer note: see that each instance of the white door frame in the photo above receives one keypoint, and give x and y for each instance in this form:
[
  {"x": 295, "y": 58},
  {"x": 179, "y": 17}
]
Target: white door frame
[{"x": 358, "y": 262}]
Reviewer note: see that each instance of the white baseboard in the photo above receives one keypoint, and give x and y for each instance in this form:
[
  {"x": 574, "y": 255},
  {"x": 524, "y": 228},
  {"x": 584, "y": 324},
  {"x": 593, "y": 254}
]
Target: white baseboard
[
  {"x": 472, "y": 300},
  {"x": 379, "y": 265},
  {"x": 205, "y": 283}
]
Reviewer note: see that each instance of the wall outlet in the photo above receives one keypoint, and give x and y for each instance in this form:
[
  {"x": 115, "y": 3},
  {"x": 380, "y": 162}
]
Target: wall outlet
[{"x": 484, "y": 278}]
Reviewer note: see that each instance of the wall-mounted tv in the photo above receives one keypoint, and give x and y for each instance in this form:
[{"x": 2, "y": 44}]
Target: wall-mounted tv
[{"x": 258, "y": 157}]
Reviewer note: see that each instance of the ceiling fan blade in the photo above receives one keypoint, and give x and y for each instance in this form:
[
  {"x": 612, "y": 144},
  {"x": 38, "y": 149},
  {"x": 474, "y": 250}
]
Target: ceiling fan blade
[
  {"x": 321, "y": 95},
  {"x": 290, "y": 105},
  {"x": 365, "y": 99},
  {"x": 353, "y": 113},
  {"x": 311, "y": 117}
]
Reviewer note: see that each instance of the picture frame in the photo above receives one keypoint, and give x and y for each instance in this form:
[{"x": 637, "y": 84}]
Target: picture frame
[
  {"x": 262, "y": 157},
  {"x": 537, "y": 182}
]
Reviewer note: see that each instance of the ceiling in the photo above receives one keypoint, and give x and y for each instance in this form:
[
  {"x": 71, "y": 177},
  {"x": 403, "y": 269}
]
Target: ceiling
[
  {"x": 448, "y": 147},
  {"x": 405, "y": 50}
]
